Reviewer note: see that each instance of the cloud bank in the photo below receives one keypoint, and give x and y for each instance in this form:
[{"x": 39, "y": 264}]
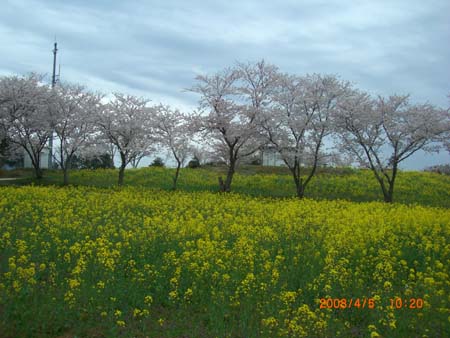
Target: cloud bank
[{"x": 155, "y": 49}]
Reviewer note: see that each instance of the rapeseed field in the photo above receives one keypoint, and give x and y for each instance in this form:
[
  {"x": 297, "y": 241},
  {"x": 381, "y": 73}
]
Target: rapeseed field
[{"x": 140, "y": 262}]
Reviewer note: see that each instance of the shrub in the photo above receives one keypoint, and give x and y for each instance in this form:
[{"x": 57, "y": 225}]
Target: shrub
[
  {"x": 103, "y": 161},
  {"x": 194, "y": 163},
  {"x": 157, "y": 162}
]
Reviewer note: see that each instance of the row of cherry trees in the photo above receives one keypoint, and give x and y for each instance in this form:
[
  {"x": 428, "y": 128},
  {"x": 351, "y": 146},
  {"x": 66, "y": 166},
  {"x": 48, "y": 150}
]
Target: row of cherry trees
[
  {"x": 242, "y": 109},
  {"x": 250, "y": 105},
  {"x": 86, "y": 124}
]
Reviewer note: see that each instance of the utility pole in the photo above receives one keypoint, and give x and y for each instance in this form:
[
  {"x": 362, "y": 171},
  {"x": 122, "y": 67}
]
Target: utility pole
[
  {"x": 50, "y": 142},
  {"x": 55, "y": 50}
]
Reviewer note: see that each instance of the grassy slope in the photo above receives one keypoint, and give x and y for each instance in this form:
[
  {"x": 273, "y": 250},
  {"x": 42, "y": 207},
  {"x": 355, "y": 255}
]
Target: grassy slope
[{"x": 349, "y": 184}]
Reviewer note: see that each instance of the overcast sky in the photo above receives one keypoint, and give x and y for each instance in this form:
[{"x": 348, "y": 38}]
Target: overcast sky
[{"x": 156, "y": 48}]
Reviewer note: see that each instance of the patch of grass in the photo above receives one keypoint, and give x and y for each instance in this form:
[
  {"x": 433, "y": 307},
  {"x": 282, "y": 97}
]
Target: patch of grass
[
  {"x": 16, "y": 173},
  {"x": 329, "y": 184}
]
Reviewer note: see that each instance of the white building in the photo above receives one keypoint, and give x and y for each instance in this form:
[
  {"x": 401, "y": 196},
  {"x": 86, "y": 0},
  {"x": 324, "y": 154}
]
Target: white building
[
  {"x": 44, "y": 159},
  {"x": 271, "y": 157}
]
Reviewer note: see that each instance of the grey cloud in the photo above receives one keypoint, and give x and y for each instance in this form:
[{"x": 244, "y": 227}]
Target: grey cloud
[{"x": 157, "y": 48}]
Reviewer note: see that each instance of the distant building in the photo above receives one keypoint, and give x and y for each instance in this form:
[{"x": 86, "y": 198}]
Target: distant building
[
  {"x": 271, "y": 157},
  {"x": 44, "y": 159}
]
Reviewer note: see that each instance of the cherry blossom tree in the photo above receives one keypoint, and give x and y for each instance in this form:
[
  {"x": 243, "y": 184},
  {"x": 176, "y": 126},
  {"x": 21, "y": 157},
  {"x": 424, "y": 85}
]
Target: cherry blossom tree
[
  {"x": 25, "y": 114},
  {"x": 221, "y": 127},
  {"x": 172, "y": 129},
  {"x": 73, "y": 112},
  {"x": 96, "y": 152},
  {"x": 445, "y": 138},
  {"x": 136, "y": 160},
  {"x": 300, "y": 120},
  {"x": 234, "y": 99},
  {"x": 383, "y": 132},
  {"x": 126, "y": 123},
  {"x": 200, "y": 153}
]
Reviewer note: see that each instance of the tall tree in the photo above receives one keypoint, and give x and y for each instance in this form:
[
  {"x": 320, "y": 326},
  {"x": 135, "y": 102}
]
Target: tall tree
[
  {"x": 172, "y": 128},
  {"x": 383, "y": 132},
  {"x": 126, "y": 123},
  {"x": 234, "y": 100},
  {"x": 73, "y": 112},
  {"x": 300, "y": 120},
  {"x": 25, "y": 110}
]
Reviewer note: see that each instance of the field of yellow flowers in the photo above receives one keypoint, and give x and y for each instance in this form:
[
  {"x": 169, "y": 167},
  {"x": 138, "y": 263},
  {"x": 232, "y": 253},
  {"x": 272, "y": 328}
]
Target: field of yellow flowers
[{"x": 137, "y": 262}]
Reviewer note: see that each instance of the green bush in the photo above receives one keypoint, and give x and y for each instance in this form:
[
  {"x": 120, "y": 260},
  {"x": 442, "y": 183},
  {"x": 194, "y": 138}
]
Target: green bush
[
  {"x": 157, "y": 162},
  {"x": 194, "y": 163}
]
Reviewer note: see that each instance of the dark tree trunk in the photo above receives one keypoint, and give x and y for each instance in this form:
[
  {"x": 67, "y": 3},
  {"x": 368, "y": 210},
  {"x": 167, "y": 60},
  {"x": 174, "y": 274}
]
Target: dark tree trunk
[
  {"x": 37, "y": 166},
  {"x": 386, "y": 196},
  {"x": 299, "y": 188},
  {"x": 177, "y": 172},
  {"x": 389, "y": 197},
  {"x": 122, "y": 168},
  {"x": 388, "y": 193},
  {"x": 226, "y": 186},
  {"x": 229, "y": 179},
  {"x": 66, "y": 176},
  {"x": 66, "y": 169},
  {"x": 121, "y": 174},
  {"x": 382, "y": 175},
  {"x": 38, "y": 172}
]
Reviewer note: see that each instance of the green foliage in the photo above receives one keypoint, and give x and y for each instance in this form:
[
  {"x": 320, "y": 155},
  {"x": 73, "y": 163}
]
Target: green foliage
[
  {"x": 255, "y": 160},
  {"x": 8, "y": 156},
  {"x": 194, "y": 163},
  {"x": 103, "y": 161},
  {"x": 157, "y": 162}
]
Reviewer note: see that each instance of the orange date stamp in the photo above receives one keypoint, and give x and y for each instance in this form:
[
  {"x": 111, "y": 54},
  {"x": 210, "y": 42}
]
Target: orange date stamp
[
  {"x": 347, "y": 303},
  {"x": 396, "y": 303}
]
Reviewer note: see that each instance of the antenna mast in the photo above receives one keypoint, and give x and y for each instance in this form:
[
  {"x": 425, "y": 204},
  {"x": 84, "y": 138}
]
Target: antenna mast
[
  {"x": 50, "y": 141},
  {"x": 55, "y": 50}
]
